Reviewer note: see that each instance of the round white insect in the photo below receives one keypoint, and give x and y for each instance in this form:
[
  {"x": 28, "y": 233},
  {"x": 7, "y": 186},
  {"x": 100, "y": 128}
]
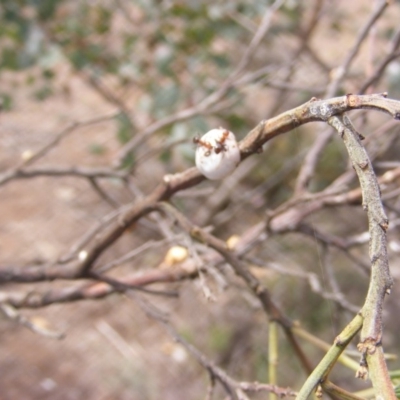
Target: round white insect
[{"x": 217, "y": 153}]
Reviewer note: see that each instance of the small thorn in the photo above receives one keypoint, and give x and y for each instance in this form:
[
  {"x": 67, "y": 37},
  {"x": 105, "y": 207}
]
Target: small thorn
[
  {"x": 384, "y": 224},
  {"x": 363, "y": 165}
]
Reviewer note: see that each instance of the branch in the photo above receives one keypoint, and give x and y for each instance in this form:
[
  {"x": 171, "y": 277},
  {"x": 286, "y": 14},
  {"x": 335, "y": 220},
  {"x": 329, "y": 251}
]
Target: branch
[
  {"x": 330, "y": 358},
  {"x": 260, "y": 291},
  {"x": 392, "y": 55},
  {"x": 40, "y": 328},
  {"x": 313, "y": 110},
  {"x": 97, "y": 290},
  {"x": 341, "y": 71},
  {"x": 305, "y": 35},
  {"x": 381, "y": 280},
  {"x": 56, "y": 171}
]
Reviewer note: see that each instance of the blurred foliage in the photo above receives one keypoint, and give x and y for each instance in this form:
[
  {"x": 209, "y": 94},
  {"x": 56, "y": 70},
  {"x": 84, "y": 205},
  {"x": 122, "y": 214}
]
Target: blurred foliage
[
  {"x": 171, "y": 55},
  {"x": 146, "y": 48},
  {"x": 155, "y": 47}
]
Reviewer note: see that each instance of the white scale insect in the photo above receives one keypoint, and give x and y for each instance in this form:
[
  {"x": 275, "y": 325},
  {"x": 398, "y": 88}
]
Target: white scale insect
[{"x": 217, "y": 153}]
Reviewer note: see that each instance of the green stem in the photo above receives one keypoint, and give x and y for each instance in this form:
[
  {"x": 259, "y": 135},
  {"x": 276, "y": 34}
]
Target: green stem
[
  {"x": 323, "y": 368},
  {"x": 272, "y": 356}
]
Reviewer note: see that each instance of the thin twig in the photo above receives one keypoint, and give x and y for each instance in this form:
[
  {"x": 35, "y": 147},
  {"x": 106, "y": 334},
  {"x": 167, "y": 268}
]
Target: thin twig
[
  {"x": 13, "y": 314},
  {"x": 56, "y": 171},
  {"x": 393, "y": 53},
  {"x": 259, "y": 290}
]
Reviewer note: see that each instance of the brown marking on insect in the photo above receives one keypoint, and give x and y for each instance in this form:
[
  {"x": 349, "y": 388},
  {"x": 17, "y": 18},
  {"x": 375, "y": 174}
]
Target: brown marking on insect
[
  {"x": 207, "y": 145},
  {"x": 200, "y": 142},
  {"x": 221, "y": 142}
]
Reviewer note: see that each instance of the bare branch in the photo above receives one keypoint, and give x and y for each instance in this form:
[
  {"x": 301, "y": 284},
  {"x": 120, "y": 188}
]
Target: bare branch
[
  {"x": 96, "y": 290},
  {"x": 314, "y": 110},
  {"x": 393, "y": 53},
  {"x": 10, "y": 312},
  {"x": 381, "y": 280},
  {"x": 56, "y": 171}
]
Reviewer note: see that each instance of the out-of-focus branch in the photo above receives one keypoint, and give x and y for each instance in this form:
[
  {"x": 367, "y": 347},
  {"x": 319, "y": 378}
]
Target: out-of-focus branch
[
  {"x": 56, "y": 171},
  {"x": 392, "y": 54},
  {"x": 342, "y": 70},
  {"x": 13, "y": 314},
  {"x": 58, "y": 137},
  {"x": 102, "y": 193},
  {"x": 257, "y": 38},
  {"x": 305, "y": 36},
  {"x": 97, "y": 290},
  {"x": 312, "y": 279}
]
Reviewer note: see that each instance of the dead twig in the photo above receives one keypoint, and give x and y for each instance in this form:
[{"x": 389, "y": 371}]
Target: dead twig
[{"x": 56, "y": 171}]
